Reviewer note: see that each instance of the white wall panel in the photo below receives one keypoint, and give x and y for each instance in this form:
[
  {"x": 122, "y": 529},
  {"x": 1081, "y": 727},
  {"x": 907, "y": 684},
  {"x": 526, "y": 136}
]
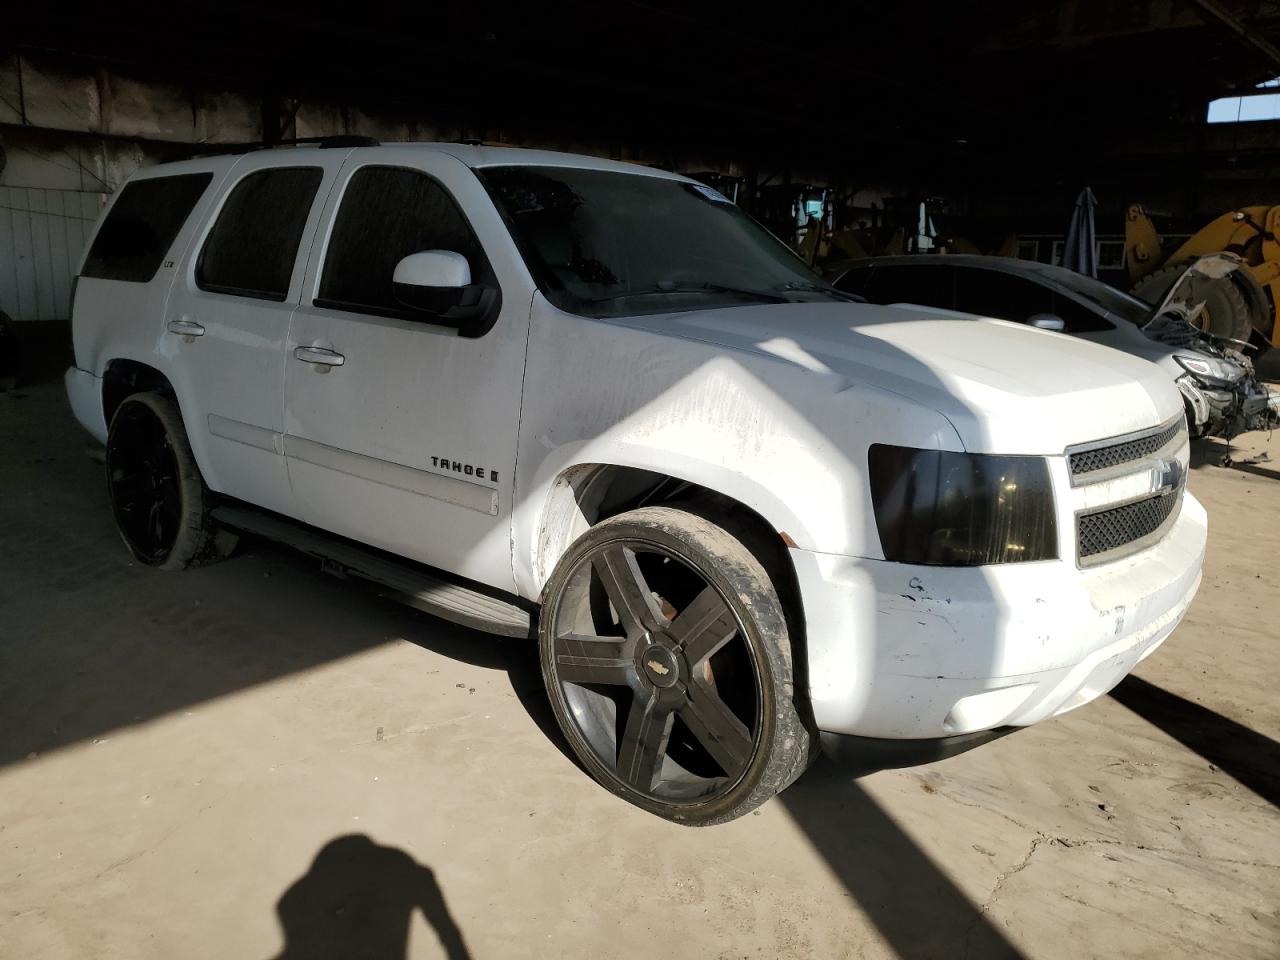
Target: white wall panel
[{"x": 42, "y": 234}]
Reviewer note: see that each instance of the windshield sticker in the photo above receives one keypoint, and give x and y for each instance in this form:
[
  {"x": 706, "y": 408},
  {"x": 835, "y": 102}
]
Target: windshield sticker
[{"x": 715, "y": 196}]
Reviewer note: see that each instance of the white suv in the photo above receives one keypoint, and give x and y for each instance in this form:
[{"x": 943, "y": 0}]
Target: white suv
[{"x": 553, "y": 396}]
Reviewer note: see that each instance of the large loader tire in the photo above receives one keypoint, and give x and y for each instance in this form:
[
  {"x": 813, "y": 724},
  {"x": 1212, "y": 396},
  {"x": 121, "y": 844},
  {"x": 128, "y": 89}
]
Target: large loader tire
[{"x": 1227, "y": 313}]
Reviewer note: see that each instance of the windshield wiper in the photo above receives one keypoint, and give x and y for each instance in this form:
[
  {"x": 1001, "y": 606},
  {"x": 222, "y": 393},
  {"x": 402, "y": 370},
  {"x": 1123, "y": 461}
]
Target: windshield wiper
[{"x": 763, "y": 296}]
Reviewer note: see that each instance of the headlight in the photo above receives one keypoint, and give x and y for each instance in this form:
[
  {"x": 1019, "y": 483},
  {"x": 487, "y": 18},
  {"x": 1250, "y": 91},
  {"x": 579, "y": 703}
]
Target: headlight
[
  {"x": 1212, "y": 368},
  {"x": 961, "y": 509}
]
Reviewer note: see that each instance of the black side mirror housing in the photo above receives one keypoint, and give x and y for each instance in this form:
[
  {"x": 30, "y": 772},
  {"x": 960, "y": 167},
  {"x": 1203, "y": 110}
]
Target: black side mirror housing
[{"x": 463, "y": 307}]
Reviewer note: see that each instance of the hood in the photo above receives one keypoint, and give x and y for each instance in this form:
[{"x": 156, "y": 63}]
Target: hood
[{"x": 1005, "y": 387}]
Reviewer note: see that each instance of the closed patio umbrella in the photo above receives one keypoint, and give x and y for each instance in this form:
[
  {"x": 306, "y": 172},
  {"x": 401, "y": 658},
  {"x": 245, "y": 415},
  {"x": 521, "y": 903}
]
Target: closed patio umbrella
[{"x": 1080, "y": 252}]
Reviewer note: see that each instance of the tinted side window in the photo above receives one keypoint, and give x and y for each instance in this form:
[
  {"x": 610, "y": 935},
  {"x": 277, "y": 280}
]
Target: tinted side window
[
  {"x": 252, "y": 247},
  {"x": 142, "y": 225},
  {"x": 990, "y": 293},
  {"x": 854, "y": 280},
  {"x": 1079, "y": 319},
  {"x": 929, "y": 286},
  {"x": 386, "y": 214}
]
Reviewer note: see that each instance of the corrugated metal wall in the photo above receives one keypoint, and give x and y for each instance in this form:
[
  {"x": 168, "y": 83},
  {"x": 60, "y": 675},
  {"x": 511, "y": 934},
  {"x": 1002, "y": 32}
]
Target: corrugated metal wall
[{"x": 42, "y": 233}]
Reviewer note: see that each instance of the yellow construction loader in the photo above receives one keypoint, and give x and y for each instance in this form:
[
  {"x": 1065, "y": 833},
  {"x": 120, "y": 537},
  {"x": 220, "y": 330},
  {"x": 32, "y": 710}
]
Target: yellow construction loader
[{"x": 1241, "y": 309}]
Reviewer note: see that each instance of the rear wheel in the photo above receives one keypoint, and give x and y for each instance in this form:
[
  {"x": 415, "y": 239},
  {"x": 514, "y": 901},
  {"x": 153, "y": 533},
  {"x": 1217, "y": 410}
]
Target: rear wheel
[
  {"x": 666, "y": 656},
  {"x": 159, "y": 499}
]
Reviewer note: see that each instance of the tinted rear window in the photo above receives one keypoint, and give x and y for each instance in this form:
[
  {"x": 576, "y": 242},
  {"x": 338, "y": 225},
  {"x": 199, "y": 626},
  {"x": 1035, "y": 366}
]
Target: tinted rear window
[
  {"x": 142, "y": 225},
  {"x": 252, "y": 247}
]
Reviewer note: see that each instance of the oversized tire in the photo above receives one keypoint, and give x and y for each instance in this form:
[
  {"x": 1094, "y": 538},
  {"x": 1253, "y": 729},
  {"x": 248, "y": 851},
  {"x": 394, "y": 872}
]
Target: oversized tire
[
  {"x": 159, "y": 500},
  {"x": 666, "y": 655}
]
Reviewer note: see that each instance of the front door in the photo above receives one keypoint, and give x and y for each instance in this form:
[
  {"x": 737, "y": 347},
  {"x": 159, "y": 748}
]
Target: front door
[
  {"x": 228, "y": 316},
  {"x": 399, "y": 432}
]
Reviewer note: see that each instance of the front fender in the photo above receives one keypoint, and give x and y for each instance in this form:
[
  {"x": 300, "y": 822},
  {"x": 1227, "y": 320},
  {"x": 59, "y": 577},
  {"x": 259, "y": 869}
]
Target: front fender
[
  {"x": 785, "y": 439},
  {"x": 546, "y": 519}
]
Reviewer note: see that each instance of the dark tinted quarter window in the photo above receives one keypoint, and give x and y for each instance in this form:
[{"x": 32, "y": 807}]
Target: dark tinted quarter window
[
  {"x": 252, "y": 247},
  {"x": 1079, "y": 318},
  {"x": 387, "y": 213},
  {"x": 929, "y": 286},
  {"x": 990, "y": 293},
  {"x": 142, "y": 225},
  {"x": 854, "y": 280}
]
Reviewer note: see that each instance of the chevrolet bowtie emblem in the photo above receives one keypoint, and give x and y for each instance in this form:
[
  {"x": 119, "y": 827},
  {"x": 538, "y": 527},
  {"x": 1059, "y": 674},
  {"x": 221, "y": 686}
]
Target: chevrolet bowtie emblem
[
  {"x": 657, "y": 668},
  {"x": 1166, "y": 476}
]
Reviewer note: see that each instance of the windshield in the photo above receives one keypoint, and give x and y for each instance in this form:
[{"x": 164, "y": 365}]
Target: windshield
[
  {"x": 606, "y": 244},
  {"x": 1115, "y": 302}
]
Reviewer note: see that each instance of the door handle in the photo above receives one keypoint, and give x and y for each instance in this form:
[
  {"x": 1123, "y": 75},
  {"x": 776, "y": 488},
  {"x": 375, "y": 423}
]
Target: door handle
[
  {"x": 186, "y": 328},
  {"x": 319, "y": 356}
]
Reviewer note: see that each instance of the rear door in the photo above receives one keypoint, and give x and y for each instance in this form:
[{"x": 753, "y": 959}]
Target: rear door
[
  {"x": 228, "y": 317},
  {"x": 404, "y": 435}
]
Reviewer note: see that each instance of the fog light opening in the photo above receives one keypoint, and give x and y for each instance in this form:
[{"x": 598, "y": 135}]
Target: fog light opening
[{"x": 986, "y": 710}]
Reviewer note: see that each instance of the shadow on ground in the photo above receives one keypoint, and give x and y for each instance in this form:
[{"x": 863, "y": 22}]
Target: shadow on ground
[
  {"x": 1249, "y": 757},
  {"x": 33, "y": 352},
  {"x": 91, "y": 642},
  {"x": 518, "y": 658},
  {"x": 357, "y": 900},
  {"x": 914, "y": 905},
  {"x": 1253, "y": 469}
]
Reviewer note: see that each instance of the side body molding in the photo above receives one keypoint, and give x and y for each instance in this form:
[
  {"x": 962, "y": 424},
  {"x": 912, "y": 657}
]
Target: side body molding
[{"x": 462, "y": 493}]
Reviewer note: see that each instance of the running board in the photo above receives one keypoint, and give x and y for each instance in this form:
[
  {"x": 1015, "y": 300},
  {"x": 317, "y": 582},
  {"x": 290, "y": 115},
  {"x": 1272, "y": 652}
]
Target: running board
[{"x": 408, "y": 583}]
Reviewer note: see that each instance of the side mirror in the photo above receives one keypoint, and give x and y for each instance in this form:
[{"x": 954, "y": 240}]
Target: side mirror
[
  {"x": 1047, "y": 321},
  {"x": 437, "y": 283}
]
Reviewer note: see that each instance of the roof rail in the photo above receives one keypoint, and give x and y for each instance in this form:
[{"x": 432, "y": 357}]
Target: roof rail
[{"x": 332, "y": 142}]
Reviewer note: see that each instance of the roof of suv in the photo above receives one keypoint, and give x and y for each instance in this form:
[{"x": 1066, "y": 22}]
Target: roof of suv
[
  {"x": 474, "y": 156},
  {"x": 477, "y": 156}
]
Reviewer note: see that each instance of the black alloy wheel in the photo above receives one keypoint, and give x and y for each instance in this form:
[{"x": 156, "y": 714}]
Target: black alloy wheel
[
  {"x": 666, "y": 689},
  {"x": 158, "y": 498},
  {"x": 143, "y": 478}
]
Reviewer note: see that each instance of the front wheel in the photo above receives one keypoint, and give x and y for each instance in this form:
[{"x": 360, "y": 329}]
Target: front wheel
[{"x": 667, "y": 659}]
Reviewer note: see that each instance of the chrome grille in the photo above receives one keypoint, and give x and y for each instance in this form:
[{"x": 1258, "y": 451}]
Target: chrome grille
[
  {"x": 1125, "y": 527},
  {"x": 1105, "y": 457},
  {"x": 1109, "y": 531}
]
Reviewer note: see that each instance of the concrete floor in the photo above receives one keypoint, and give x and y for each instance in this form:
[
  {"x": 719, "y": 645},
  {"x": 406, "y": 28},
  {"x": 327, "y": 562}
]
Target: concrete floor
[{"x": 255, "y": 760}]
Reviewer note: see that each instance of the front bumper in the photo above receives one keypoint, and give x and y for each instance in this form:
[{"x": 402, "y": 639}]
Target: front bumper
[
  {"x": 84, "y": 391},
  {"x": 904, "y": 652},
  {"x": 1248, "y": 406},
  {"x": 1197, "y": 404}
]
